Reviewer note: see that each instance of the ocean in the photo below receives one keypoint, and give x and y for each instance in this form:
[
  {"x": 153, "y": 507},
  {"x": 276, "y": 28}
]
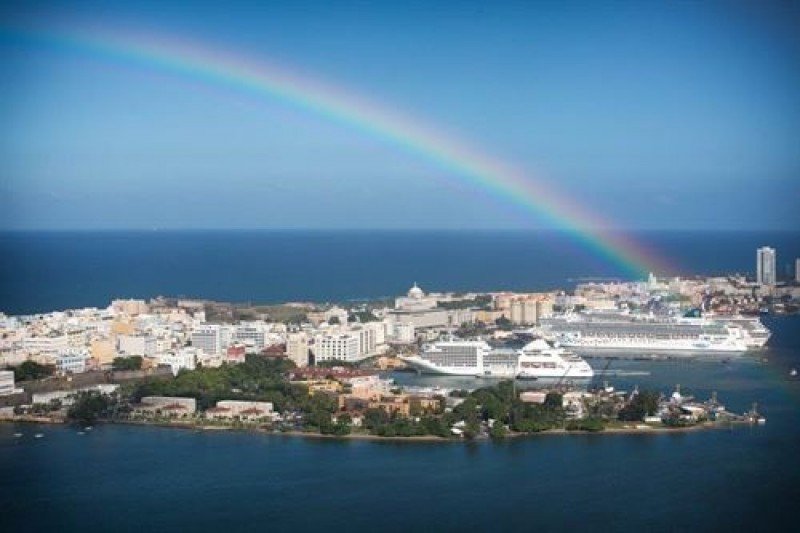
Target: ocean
[{"x": 45, "y": 271}]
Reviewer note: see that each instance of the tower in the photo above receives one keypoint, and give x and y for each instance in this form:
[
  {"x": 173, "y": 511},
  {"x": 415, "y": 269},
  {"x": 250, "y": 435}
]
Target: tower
[{"x": 765, "y": 266}]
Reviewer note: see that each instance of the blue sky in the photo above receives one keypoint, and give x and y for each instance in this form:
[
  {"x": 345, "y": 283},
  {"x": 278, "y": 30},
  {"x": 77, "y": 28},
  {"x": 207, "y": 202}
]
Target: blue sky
[{"x": 653, "y": 115}]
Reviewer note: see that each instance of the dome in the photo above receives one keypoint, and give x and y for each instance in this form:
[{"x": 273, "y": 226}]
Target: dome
[{"x": 415, "y": 292}]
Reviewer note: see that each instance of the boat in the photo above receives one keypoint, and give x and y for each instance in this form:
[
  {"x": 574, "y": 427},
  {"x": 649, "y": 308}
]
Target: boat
[
  {"x": 537, "y": 359},
  {"x": 754, "y": 333},
  {"x": 793, "y": 372},
  {"x": 628, "y": 331},
  {"x": 17, "y": 435},
  {"x": 39, "y": 435}
]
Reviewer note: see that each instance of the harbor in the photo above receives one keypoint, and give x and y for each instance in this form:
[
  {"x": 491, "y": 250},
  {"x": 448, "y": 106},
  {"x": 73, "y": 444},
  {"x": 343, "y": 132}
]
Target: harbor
[{"x": 672, "y": 465}]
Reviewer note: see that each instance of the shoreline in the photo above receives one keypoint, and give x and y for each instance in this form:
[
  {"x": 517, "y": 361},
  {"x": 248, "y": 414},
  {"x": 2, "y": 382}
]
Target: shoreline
[{"x": 642, "y": 429}]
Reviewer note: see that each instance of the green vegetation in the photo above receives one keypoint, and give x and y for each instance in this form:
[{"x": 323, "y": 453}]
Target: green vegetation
[
  {"x": 335, "y": 363},
  {"x": 46, "y": 408},
  {"x": 498, "y": 431},
  {"x": 500, "y": 403},
  {"x": 643, "y": 404},
  {"x": 586, "y": 424},
  {"x": 483, "y": 301},
  {"x": 91, "y": 406},
  {"x": 288, "y": 314},
  {"x": 678, "y": 422},
  {"x": 257, "y": 379},
  {"x": 133, "y": 362},
  {"x": 381, "y": 423},
  {"x": 362, "y": 316},
  {"x": 30, "y": 370},
  {"x": 319, "y": 410},
  {"x": 473, "y": 329},
  {"x": 504, "y": 324}
]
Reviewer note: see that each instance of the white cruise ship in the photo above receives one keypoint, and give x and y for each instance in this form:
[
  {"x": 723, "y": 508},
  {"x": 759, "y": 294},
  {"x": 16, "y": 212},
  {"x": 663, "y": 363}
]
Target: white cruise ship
[
  {"x": 537, "y": 359},
  {"x": 756, "y": 334},
  {"x": 620, "y": 331}
]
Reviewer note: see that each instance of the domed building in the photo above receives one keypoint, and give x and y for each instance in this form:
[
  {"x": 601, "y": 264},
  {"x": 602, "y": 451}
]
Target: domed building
[
  {"x": 421, "y": 310},
  {"x": 415, "y": 292},
  {"x": 415, "y": 300}
]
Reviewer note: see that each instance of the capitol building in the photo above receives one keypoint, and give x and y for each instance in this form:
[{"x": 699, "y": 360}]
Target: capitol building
[{"x": 422, "y": 311}]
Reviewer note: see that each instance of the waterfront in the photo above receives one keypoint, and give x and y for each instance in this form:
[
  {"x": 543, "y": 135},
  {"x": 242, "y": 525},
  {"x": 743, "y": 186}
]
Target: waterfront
[{"x": 124, "y": 478}]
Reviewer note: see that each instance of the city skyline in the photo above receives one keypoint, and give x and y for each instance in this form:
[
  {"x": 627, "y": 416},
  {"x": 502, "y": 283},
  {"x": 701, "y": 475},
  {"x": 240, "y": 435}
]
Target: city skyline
[{"x": 665, "y": 118}]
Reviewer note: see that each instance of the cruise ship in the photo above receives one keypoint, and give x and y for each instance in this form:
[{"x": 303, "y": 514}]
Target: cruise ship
[
  {"x": 622, "y": 331},
  {"x": 537, "y": 359},
  {"x": 756, "y": 334}
]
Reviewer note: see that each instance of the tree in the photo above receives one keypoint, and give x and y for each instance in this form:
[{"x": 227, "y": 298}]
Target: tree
[
  {"x": 553, "y": 400},
  {"x": 334, "y": 320},
  {"x": 642, "y": 404},
  {"x": 133, "y": 362},
  {"x": 503, "y": 323},
  {"x": 497, "y": 431},
  {"x": 472, "y": 429},
  {"x": 90, "y": 406},
  {"x": 30, "y": 370},
  {"x": 586, "y": 424}
]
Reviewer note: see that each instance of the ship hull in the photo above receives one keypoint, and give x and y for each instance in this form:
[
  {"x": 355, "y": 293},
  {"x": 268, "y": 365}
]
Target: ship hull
[
  {"x": 657, "y": 347},
  {"x": 424, "y": 367}
]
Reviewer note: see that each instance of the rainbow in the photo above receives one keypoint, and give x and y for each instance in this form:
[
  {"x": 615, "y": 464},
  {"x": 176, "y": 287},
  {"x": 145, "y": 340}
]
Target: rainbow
[{"x": 462, "y": 162}]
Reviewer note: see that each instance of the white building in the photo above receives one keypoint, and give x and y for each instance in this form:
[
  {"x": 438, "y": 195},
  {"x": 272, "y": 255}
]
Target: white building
[
  {"x": 523, "y": 311},
  {"x": 252, "y": 336},
  {"x": 242, "y": 409},
  {"x": 140, "y": 344},
  {"x": 297, "y": 348},
  {"x": 67, "y": 397},
  {"x": 415, "y": 300},
  {"x": 765, "y": 266},
  {"x": 337, "y": 347},
  {"x": 72, "y": 361},
  {"x": 183, "y": 358},
  {"x": 207, "y": 337},
  {"x": 46, "y": 345},
  {"x": 366, "y": 340},
  {"x": 403, "y": 333},
  {"x": 7, "y": 383},
  {"x": 338, "y": 313},
  {"x": 167, "y": 405},
  {"x": 130, "y": 307}
]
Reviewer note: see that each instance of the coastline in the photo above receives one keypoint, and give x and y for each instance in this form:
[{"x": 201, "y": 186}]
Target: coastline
[{"x": 641, "y": 429}]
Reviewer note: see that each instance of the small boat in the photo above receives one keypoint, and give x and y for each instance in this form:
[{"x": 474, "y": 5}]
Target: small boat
[
  {"x": 17, "y": 435},
  {"x": 793, "y": 372},
  {"x": 88, "y": 428},
  {"x": 39, "y": 435},
  {"x": 81, "y": 433}
]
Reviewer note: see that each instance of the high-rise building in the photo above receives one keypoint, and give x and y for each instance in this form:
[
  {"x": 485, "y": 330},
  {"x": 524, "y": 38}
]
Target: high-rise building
[
  {"x": 297, "y": 348},
  {"x": 765, "y": 266},
  {"x": 337, "y": 347},
  {"x": 208, "y": 338}
]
